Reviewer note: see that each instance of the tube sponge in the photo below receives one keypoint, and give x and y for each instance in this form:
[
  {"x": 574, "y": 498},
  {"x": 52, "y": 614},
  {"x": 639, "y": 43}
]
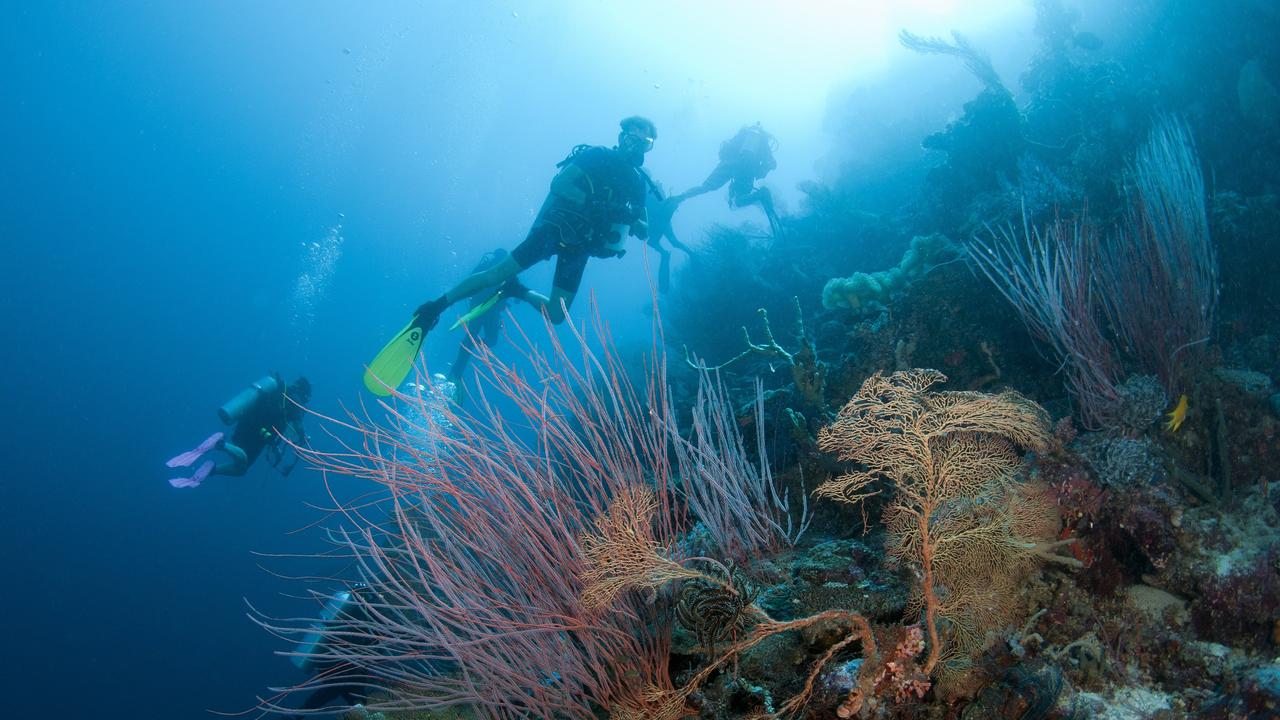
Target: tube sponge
[{"x": 868, "y": 293}]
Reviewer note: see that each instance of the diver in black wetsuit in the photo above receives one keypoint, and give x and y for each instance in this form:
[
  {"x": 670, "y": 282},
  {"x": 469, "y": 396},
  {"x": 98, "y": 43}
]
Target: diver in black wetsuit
[
  {"x": 597, "y": 200},
  {"x": 335, "y": 680},
  {"x": 486, "y": 328},
  {"x": 744, "y": 159},
  {"x": 265, "y": 414},
  {"x": 661, "y": 209}
]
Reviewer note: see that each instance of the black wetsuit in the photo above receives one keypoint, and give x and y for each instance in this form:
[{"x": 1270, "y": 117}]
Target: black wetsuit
[
  {"x": 344, "y": 683},
  {"x": 257, "y": 429},
  {"x": 661, "y": 212},
  {"x": 615, "y": 195},
  {"x": 487, "y": 328},
  {"x": 744, "y": 158}
]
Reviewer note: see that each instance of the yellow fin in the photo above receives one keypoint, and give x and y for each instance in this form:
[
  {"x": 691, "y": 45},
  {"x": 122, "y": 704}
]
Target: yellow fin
[
  {"x": 477, "y": 311},
  {"x": 389, "y": 368}
]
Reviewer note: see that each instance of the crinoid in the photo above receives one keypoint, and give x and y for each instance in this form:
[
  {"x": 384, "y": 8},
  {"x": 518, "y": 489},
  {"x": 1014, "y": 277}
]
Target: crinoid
[{"x": 715, "y": 611}]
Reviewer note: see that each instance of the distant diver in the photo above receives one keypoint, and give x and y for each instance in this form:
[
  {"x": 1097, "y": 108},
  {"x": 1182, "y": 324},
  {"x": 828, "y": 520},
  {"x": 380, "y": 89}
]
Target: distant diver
[
  {"x": 596, "y": 201},
  {"x": 483, "y": 320},
  {"x": 265, "y": 413},
  {"x": 661, "y": 210},
  {"x": 745, "y": 158},
  {"x": 335, "y": 680}
]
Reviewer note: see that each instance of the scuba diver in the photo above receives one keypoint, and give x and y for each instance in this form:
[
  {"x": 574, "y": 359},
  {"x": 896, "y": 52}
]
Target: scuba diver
[
  {"x": 343, "y": 616},
  {"x": 483, "y": 321},
  {"x": 661, "y": 209},
  {"x": 744, "y": 158},
  {"x": 264, "y": 413},
  {"x": 596, "y": 200}
]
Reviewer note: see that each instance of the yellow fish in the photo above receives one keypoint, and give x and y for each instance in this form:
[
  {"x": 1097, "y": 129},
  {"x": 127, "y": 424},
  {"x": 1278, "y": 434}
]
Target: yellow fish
[{"x": 1177, "y": 415}]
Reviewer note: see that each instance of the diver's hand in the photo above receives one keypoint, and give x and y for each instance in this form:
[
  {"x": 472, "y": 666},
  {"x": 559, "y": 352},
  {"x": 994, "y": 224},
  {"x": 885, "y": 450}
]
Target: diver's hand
[
  {"x": 428, "y": 313},
  {"x": 640, "y": 229},
  {"x": 670, "y": 205}
]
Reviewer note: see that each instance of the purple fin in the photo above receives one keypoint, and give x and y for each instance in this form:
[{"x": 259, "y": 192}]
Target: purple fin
[
  {"x": 195, "y": 479},
  {"x": 190, "y": 456}
]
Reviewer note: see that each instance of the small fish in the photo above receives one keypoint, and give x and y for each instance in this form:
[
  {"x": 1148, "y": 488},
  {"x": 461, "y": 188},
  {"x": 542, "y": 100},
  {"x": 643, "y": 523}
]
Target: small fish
[{"x": 1177, "y": 416}]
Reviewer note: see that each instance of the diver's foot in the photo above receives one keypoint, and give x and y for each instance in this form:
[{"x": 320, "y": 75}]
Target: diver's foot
[
  {"x": 198, "y": 477},
  {"x": 190, "y": 456},
  {"x": 428, "y": 313}
]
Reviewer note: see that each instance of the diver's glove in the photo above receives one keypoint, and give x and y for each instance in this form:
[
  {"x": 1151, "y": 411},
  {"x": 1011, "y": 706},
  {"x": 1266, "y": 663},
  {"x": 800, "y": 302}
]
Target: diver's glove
[{"x": 428, "y": 313}]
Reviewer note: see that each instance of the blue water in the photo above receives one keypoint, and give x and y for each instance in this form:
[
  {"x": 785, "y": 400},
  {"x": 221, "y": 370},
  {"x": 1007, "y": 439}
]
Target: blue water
[{"x": 171, "y": 171}]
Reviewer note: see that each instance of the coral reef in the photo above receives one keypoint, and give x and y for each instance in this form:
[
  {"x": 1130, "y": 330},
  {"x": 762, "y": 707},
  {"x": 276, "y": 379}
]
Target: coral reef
[{"x": 981, "y": 561}]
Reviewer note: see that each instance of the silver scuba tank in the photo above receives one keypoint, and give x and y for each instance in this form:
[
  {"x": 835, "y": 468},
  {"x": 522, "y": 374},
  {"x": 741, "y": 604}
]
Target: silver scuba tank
[
  {"x": 305, "y": 651},
  {"x": 235, "y": 408}
]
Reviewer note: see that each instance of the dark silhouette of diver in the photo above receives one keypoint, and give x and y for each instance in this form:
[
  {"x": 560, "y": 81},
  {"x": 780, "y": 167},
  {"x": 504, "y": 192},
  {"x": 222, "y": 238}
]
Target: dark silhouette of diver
[
  {"x": 486, "y": 326},
  {"x": 337, "y": 683},
  {"x": 745, "y": 158},
  {"x": 661, "y": 209},
  {"x": 264, "y": 414},
  {"x": 596, "y": 200}
]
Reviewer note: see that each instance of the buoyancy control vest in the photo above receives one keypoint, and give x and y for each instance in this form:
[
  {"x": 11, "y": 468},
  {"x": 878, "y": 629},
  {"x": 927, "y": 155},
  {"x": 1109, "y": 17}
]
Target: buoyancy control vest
[
  {"x": 613, "y": 187},
  {"x": 752, "y": 147}
]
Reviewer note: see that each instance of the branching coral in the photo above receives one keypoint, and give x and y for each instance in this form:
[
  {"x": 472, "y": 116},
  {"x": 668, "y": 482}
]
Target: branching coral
[
  {"x": 738, "y": 501},
  {"x": 656, "y": 703},
  {"x": 1148, "y": 293},
  {"x": 808, "y": 373},
  {"x": 976, "y": 61},
  {"x": 620, "y": 552},
  {"x": 957, "y": 515},
  {"x": 473, "y": 549}
]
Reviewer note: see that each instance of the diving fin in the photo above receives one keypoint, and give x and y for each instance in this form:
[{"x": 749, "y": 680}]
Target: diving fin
[
  {"x": 392, "y": 365},
  {"x": 478, "y": 310}
]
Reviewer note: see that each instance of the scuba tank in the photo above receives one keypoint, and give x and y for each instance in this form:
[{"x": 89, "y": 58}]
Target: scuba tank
[
  {"x": 235, "y": 408},
  {"x": 306, "y": 650},
  {"x": 754, "y": 142}
]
